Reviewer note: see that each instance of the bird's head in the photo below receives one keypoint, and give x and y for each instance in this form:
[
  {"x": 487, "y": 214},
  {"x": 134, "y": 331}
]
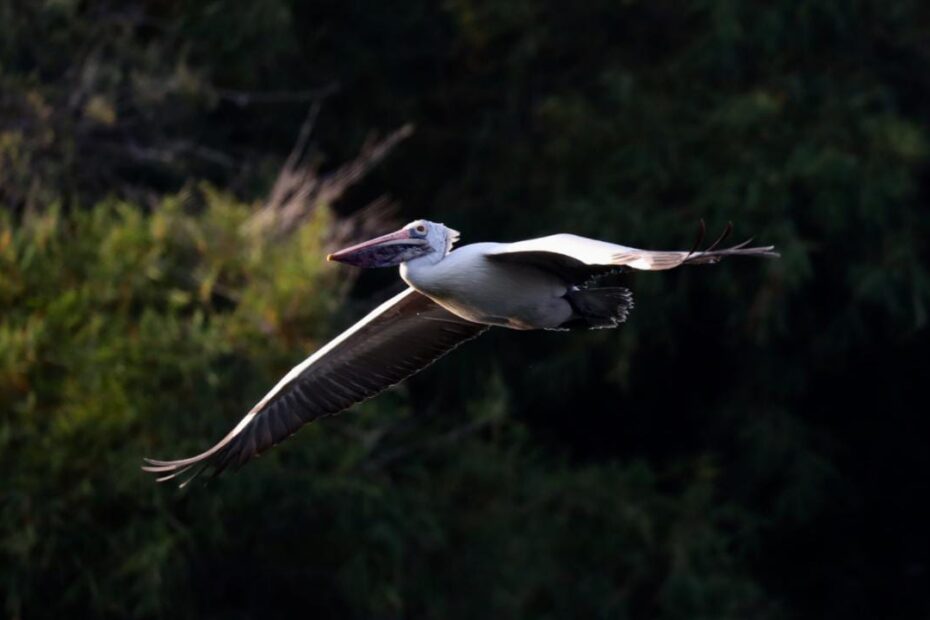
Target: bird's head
[{"x": 416, "y": 239}]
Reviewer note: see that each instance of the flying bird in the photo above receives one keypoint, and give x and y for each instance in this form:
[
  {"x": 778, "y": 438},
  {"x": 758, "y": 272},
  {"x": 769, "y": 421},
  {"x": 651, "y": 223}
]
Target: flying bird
[{"x": 452, "y": 296}]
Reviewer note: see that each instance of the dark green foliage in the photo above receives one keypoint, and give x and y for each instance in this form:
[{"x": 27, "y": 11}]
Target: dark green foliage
[
  {"x": 748, "y": 444},
  {"x": 128, "y": 334}
]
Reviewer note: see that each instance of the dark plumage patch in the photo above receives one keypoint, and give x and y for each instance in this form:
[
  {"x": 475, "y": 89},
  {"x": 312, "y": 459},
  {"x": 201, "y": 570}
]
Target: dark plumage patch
[
  {"x": 599, "y": 308},
  {"x": 396, "y": 341}
]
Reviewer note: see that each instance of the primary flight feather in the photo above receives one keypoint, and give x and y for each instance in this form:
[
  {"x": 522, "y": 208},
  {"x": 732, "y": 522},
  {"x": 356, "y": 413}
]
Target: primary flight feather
[{"x": 453, "y": 296}]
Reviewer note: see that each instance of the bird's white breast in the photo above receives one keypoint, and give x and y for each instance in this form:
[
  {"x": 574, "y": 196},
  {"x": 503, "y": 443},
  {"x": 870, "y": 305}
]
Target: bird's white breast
[{"x": 480, "y": 289}]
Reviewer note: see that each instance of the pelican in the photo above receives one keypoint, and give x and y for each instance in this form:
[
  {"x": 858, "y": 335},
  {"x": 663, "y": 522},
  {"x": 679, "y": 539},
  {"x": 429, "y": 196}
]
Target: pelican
[{"x": 452, "y": 296}]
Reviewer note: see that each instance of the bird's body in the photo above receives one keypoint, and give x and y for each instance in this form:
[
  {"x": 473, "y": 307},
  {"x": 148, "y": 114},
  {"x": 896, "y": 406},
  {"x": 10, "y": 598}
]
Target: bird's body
[
  {"x": 455, "y": 295},
  {"x": 470, "y": 284}
]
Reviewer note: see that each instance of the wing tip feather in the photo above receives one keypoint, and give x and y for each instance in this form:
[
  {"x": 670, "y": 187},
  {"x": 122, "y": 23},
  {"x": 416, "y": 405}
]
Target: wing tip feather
[{"x": 251, "y": 436}]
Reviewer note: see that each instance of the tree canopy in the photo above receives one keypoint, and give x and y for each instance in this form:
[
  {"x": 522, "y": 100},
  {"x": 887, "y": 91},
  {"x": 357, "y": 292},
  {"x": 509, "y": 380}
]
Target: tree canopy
[{"x": 748, "y": 444}]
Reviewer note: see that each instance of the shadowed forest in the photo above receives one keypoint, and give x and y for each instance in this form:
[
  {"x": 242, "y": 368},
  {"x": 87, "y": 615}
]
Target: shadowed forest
[{"x": 751, "y": 443}]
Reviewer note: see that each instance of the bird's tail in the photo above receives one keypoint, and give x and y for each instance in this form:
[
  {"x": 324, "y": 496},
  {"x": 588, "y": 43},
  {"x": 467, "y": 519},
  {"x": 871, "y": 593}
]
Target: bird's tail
[{"x": 599, "y": 308}]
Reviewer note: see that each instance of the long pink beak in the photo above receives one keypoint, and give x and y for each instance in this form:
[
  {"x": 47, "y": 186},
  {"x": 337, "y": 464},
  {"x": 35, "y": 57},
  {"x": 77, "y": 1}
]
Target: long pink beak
[{"x": 381, "y": 251}]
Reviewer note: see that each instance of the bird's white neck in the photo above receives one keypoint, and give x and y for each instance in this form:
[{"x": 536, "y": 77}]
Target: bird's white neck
[
  {"x": 417, "y": 269},
  {"x": 423, "y": 272}
]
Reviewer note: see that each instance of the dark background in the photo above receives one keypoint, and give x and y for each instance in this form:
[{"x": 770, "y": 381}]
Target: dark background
[{"x": 750, "y": 444}]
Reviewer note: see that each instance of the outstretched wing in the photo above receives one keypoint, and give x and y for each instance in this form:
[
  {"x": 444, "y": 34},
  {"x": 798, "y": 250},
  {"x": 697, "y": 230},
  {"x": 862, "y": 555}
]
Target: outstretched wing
[
  {"x": 579, "y": 258},
  {"x": 397, "y": 339}
]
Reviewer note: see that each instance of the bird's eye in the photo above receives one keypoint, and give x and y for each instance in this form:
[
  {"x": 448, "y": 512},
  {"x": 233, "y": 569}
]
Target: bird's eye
[{"x": 421, "y": 229}]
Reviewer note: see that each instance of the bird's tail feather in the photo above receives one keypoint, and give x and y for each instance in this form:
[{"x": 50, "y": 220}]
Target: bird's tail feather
[{"x": 599, "y": 308}]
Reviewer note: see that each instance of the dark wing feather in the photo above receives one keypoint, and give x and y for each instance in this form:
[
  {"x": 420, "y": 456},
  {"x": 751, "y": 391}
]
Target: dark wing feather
[
  {"x": 399, "y": 338},
  {"x": 567, "y": 267}
]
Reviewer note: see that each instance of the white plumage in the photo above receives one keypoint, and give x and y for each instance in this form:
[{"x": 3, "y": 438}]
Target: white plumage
[{"x": 470, "y": 284}]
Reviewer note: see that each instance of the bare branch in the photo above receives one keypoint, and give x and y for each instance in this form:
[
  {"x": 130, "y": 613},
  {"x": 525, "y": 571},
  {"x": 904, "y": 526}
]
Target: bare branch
[
  {"x": 299, "y": 188},
  {"x": 372, "y": 220},
  {"x": 243, "y": 98}
]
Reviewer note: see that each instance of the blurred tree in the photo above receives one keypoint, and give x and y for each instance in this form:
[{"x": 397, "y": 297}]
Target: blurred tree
[
  {"x": 124, "y": 334},
  {"x": 747, "y": 445}
]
